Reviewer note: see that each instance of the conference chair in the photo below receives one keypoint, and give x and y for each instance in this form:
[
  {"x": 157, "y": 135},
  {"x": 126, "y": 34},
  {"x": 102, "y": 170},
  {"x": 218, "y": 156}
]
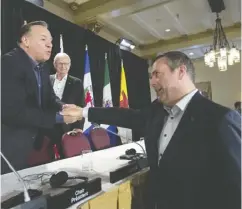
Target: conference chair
[
  {"x": 73, "y": 143},
  {"x": 42, "y": 156},
  {"x": 99, "y": 138}
]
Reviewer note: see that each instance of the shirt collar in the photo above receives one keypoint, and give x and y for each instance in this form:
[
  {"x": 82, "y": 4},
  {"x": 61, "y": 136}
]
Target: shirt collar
[
  {"x": 33, "y": 62},
  {"x": 63, "y": 79},
  {"x": 181, "y": 105}
]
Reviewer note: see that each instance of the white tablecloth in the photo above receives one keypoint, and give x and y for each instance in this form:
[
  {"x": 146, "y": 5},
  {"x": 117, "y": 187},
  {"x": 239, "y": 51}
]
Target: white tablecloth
[{"x": 102, "y": 162}]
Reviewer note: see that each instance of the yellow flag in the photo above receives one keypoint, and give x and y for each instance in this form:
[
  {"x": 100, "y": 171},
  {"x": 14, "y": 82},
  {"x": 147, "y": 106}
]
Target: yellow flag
[{"x": 123, "y": 101}]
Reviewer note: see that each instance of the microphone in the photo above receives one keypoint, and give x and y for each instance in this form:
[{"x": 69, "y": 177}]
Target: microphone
[
  {"x": 136, "y": 163},
  {"x": 16, "y": 202},
  {"x": 96, "y": 126},
  {"x": 26, "y": 194}
]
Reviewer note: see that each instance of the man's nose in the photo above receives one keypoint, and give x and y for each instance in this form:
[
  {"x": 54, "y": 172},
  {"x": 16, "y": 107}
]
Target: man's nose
[
  {"x": 152, "y": 81},
  {"x": 49, "y": 45}
]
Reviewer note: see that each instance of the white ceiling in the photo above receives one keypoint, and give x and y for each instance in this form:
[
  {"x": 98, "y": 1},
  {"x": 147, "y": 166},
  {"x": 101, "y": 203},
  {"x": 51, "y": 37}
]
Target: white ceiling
[
  {"x": 182, "y": 17},
  {"x": 197, "y": 52},
  {"x": 145, "y": 22}
]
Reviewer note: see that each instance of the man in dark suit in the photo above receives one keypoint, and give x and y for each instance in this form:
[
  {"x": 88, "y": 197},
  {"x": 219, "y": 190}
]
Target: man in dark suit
[
  {"x": 69, "y": 90},
  {"x": 29, "y": 105},
  {"x": 193, "y": 144}
]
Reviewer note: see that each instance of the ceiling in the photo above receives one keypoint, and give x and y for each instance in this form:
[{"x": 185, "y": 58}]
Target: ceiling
[{"x": 155, "y": 26}]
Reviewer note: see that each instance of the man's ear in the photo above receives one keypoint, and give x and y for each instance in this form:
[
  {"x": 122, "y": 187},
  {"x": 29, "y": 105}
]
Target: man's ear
[
  {"x": 54, "y": 63},
  {"x": 182, "y": 71},
  {"x": 25, "y": 41}
]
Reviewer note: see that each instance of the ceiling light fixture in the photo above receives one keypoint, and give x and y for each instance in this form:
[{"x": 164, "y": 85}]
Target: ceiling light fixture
[
  {"x": 93, "y": 26},
  {"x": 168, "y": 30},
  {"x": 73, "y": 6},
  {"x": 221, "y": 51},
  {"x": 125, "y": 44}
]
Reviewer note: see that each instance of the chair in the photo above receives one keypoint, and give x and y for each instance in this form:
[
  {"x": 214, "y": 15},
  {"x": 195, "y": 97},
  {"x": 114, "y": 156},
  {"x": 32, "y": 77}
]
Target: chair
[
  {"x": 99, "y": 138},
  {"x": 74, "y": 144},
  {"x": 42, "y": 156}
]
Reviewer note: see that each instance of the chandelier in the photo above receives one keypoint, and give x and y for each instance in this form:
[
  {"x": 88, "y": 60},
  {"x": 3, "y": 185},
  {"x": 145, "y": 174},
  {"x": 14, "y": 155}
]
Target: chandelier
[{"x": 220, "y": 51}]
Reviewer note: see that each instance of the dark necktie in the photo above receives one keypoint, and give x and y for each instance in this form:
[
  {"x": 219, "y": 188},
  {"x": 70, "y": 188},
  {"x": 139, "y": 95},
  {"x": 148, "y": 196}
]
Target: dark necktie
[
  {"x": 38, "y": 70},
  {"x": 39, "y": 137}
]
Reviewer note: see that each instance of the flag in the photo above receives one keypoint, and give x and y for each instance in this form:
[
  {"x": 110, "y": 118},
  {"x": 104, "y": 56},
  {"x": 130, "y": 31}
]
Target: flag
[
  {"x": 61, "y": 44},
  {"x": 107, "y": 95},
  {"x": 124, "y": 103},
  {"x": 107, "y": 102},
  {"x": 88, "y": 92}
]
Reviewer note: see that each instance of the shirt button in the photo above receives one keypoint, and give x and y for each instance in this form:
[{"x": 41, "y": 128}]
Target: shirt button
[
  {"x": 172, "y": 117},
  {"x": 165, "y": 135}
]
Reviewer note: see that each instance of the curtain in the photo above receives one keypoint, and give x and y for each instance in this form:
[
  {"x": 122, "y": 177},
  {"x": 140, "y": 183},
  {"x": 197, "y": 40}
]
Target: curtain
[
  {"x": 11, "y": 21},
  {"x": 136, "y": 70},
  {"x": 75, "y": 39},
  {"x": 97, "y": 48}
]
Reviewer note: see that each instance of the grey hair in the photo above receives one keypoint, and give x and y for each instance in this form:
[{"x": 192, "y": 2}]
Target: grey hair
[{"x": 59, "y": 55}]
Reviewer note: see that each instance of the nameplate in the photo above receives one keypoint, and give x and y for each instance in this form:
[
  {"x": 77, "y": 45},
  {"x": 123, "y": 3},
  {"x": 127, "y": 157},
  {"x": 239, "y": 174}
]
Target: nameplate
[{"x": 75, "y": 194}]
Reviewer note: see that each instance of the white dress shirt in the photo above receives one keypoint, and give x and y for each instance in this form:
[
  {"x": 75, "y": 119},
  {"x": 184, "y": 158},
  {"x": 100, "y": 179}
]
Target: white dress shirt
[
  {"x": 85, "y": 112},
  {"x": 59, "y": 86},
  {"x": 172, "y": 121}
]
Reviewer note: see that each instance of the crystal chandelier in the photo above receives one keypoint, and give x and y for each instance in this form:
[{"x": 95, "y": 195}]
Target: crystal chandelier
[{"x": 220, "y": 51}]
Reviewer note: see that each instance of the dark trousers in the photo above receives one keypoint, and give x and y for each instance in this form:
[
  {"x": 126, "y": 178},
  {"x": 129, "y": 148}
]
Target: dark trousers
[{"x": 55, "y": 134}]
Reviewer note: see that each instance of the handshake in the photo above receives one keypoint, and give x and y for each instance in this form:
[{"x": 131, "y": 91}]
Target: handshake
[{"x": 71, "y": 113}]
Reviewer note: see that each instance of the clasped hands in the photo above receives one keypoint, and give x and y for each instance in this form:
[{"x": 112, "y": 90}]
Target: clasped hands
[{"x": 71, "y": 113}]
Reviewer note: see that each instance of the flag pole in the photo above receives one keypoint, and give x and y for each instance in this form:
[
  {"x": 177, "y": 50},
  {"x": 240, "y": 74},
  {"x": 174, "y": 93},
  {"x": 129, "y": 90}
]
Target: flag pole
[{"x": 61, "y": 44}]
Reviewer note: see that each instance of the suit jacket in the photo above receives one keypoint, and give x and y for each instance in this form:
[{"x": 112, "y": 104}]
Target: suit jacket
[
  {"x": 201, "y": 166},
  {"x": 22, "y": 118},
  {"x": 73, "y": 94}
]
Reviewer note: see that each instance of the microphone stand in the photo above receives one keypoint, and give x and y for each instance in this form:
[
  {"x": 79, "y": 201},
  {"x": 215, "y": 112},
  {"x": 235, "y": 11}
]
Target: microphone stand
[
  {"x": 96, "y": 126},
  {"x": 37, "y": 202},
  {"x": 26, "y": 194}
]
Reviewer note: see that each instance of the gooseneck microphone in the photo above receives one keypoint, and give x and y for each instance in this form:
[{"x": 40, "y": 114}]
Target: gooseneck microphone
[
  {"x": 26, "y": 194},
  {"x": 136, "y": 161},
  {"x": 96, "y": 126}
]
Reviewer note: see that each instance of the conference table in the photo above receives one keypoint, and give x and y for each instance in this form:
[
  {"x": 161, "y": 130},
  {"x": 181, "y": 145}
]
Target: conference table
[{"x": 92, "y": 165}]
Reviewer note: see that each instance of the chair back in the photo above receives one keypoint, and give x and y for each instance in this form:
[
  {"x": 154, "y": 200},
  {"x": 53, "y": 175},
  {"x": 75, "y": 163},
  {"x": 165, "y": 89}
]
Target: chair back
[
  {"x": 73, "y": 145},
  {"x": 99, "y": 138},
  {"x": 42, "y": 156}
]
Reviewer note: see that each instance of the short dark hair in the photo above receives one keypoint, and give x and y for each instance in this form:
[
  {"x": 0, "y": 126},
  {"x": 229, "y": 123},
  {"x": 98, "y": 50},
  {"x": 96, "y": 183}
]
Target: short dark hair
[
  {"x": 176, "y": 59},
  {"x": 26, "y": 28},
  {"x": 237, "y": 104}
]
